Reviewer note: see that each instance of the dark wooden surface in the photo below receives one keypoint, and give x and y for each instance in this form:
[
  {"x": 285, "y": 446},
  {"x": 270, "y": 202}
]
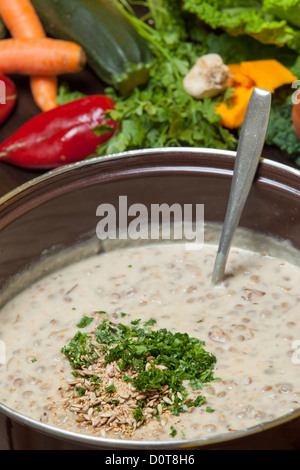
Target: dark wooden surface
[{"x": 87, "y": 82}]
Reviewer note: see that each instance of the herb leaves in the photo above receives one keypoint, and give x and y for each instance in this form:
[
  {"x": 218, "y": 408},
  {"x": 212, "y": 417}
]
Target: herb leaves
[
  {"x": 161, "y": 113},
  {"x": 150, "y": 359},
  {"x": 183, "y": 357}
]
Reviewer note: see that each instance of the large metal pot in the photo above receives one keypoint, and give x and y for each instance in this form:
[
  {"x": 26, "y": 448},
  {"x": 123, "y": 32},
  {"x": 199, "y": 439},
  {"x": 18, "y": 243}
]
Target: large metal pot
[{"x": 56, "y": 211}]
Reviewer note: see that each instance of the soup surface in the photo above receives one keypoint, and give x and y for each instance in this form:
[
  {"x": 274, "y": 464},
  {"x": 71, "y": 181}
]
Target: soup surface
[{"x": 249, "y": 324}]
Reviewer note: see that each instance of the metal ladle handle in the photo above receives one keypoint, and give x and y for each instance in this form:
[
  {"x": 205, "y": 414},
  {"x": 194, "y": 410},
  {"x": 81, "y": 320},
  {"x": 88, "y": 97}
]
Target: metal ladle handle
[{"x": 250, "y": 145}]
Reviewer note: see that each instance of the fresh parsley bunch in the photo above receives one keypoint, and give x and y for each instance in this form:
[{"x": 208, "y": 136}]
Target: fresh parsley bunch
[{"x": 161, "y": 113}]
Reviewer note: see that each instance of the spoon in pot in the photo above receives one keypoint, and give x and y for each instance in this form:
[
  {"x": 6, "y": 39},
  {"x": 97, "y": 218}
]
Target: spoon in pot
[{"x": 248, "y": 154}]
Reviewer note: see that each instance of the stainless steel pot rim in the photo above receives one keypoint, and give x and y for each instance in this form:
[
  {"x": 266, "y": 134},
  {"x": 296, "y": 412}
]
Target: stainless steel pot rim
[
  {"x": 134, "y": 444},
  {"x": 134, "y": 153},
  {"x": 93, "y": 441}
]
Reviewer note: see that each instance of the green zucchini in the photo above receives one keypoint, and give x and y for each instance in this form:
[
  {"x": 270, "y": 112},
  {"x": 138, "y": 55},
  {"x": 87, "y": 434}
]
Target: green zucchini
[{"x": 115, "y": 51}]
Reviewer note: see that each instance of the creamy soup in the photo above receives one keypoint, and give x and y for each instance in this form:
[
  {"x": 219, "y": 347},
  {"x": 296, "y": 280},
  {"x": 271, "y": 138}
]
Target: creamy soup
[{"x": 249, "y": 324}]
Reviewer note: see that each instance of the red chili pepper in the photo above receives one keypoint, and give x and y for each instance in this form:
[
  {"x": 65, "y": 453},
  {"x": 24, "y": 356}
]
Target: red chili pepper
[
  {"x": 62, "y": 135},
  {"x": 8, "y": 97}
]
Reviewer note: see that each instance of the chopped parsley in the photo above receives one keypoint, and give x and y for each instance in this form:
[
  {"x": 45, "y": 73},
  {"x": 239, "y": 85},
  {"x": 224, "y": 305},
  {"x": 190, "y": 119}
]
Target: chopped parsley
[
  {"x": 80, "y": 391},
  {"x": 138, "y": 414},
  {"x": 135, "y": 322},
  {"x": 150, "y": 322},
  {"x": 110, "y": 388},
  {"x": 175, "y": 358},
  {"x": 79, "y": 350},
  {"x": 85, "y": 321},
  {"x": 208, "y": 409}
]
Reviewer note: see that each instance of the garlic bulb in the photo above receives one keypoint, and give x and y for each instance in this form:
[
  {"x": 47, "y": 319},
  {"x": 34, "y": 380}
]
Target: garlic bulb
[{"x": 208, "y": 77}]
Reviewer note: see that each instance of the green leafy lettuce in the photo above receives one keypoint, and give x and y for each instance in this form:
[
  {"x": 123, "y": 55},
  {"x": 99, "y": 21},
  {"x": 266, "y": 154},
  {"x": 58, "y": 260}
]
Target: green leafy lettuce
[
  {"x": 234, "y": 50},
  {"x": 249, "y": 17},
  {"x": 288, "y": 10}
]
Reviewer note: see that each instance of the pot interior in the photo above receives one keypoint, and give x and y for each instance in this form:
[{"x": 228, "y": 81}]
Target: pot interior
[
  {"x": 58, "y": 211},
  {"x": 52, "y": 221}
]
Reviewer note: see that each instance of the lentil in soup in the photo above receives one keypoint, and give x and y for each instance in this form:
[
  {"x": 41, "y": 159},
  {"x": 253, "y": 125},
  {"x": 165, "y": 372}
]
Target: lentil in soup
[{"x": 248, "y": 324}]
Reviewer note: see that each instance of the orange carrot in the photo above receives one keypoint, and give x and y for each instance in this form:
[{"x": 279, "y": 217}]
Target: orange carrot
[
  {"x": 44, "y": 91},
  {"x": 40, "y": 56},
  {"x": 22, "y": 21}
]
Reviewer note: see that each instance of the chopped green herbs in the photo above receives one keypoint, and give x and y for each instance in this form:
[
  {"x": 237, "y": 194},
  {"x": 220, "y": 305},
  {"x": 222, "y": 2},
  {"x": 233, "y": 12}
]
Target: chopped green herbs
[
  {"x": 183, "y": 356},
  {"x": 85, "y": 321},
  {"x": 208, "y": 409},
  {"x": 150, "y": 322},
  {"x": 80, "y": 391},
  {"x": 138, "y": 414},
  {"x": 150, "y": 360},
  {"x": 110, "y": 388},
  {"x": 79, "y": 351},
  {"x": 135, "y": 322}
]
